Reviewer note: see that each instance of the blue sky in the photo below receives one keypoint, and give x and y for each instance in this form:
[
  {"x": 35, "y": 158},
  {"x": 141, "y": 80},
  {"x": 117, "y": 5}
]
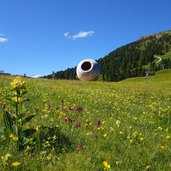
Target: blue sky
[{"x": 39, "y": 36}]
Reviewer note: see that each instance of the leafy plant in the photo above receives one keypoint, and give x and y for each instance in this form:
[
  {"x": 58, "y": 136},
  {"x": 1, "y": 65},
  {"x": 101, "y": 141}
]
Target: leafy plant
[
  {"x": 15, "y": 121},
  {"x": 39, "y": 138}
]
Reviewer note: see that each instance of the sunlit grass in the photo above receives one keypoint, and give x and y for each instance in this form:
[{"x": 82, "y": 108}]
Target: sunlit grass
[
  {"x": 167, "y": 55},
  {"x": 112, "y": 126}
]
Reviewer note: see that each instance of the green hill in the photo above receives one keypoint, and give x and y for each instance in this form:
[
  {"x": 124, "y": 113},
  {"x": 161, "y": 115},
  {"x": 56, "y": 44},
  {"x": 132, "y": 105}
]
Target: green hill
[
  {"x": 162, "y": 76},
  {"x": 131, "y": 60},
  {"x": 136, "y": 58}
]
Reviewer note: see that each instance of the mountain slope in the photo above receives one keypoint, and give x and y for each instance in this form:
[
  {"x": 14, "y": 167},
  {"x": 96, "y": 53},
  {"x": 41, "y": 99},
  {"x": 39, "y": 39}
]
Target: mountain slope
[
  {"x": 132, "y": 60},
  {"x": 128, "y": 61}
]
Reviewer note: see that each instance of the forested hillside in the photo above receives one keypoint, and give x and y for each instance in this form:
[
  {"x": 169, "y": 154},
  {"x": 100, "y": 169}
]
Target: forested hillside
[{"x": 131, "y": 60}]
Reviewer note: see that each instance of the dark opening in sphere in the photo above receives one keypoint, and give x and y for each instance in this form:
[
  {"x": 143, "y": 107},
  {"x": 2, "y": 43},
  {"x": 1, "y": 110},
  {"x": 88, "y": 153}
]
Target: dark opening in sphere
[{"x": 86, "y": 66}]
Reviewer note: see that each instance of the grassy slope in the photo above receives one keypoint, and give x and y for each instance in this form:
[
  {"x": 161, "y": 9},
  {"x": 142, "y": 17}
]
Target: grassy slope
[
  {"x": 163, "y": 77},
  {"x": 135, "y": 123},
  {"x": 165, "y": 56}
]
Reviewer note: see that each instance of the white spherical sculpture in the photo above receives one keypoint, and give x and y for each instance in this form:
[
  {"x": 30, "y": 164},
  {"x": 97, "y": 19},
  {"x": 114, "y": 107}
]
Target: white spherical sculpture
[{"x": 88, "y": 70}]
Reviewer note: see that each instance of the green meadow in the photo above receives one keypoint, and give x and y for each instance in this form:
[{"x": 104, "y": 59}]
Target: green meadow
[{"x": 87, "y": 126}]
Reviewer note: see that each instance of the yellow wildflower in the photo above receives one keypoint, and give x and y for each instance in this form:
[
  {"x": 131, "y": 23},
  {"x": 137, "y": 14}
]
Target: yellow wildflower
[
  {"x": 106, "y": 165},
  {"x": 89, "y": 133},
  {"x": 159, "y": 128},
  {"x": 118, "y": 123},
  {"x": 103, "y": 122},
  {"x": 135, "y": 134},
  {"x": 13, "y": 137},
  {"x": 16, "y": 99},
  {"x": 49, "y": 157},
  {"x": 6, "y": 157},
  {"x": 135, "y": 118},
  {"x": 18, "y": 84},
  {"x": 130, "y": 141},
  {"x": 111, "y": 129},
  {"x": 15, "y": 164},
  {"x": 141, "y": 139},
  {"x": 105, "y": 135},
  {"x": 168, "y": 137},
  {"x": 140, "y": 134},
  {"x": 148, "y": 167},
  {"x": 121, "y": 133},
  {"x": 37, "y": 128},
  {"x": 162, "y": 146}
]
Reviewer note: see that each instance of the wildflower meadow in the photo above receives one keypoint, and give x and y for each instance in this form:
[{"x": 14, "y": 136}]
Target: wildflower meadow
[{"x": 65, "y": 125}]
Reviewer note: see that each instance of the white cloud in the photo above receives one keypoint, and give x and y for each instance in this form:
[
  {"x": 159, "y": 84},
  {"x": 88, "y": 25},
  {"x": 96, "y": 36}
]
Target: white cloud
[
  {"x": 81, "y": 34},
  {"x": 2, "y": 39},
  {"x": 67, "y": 35}
]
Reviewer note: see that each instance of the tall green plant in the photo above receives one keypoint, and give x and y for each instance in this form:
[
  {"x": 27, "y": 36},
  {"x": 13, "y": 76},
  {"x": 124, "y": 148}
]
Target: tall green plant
[{"x": 15, "y": 121}]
